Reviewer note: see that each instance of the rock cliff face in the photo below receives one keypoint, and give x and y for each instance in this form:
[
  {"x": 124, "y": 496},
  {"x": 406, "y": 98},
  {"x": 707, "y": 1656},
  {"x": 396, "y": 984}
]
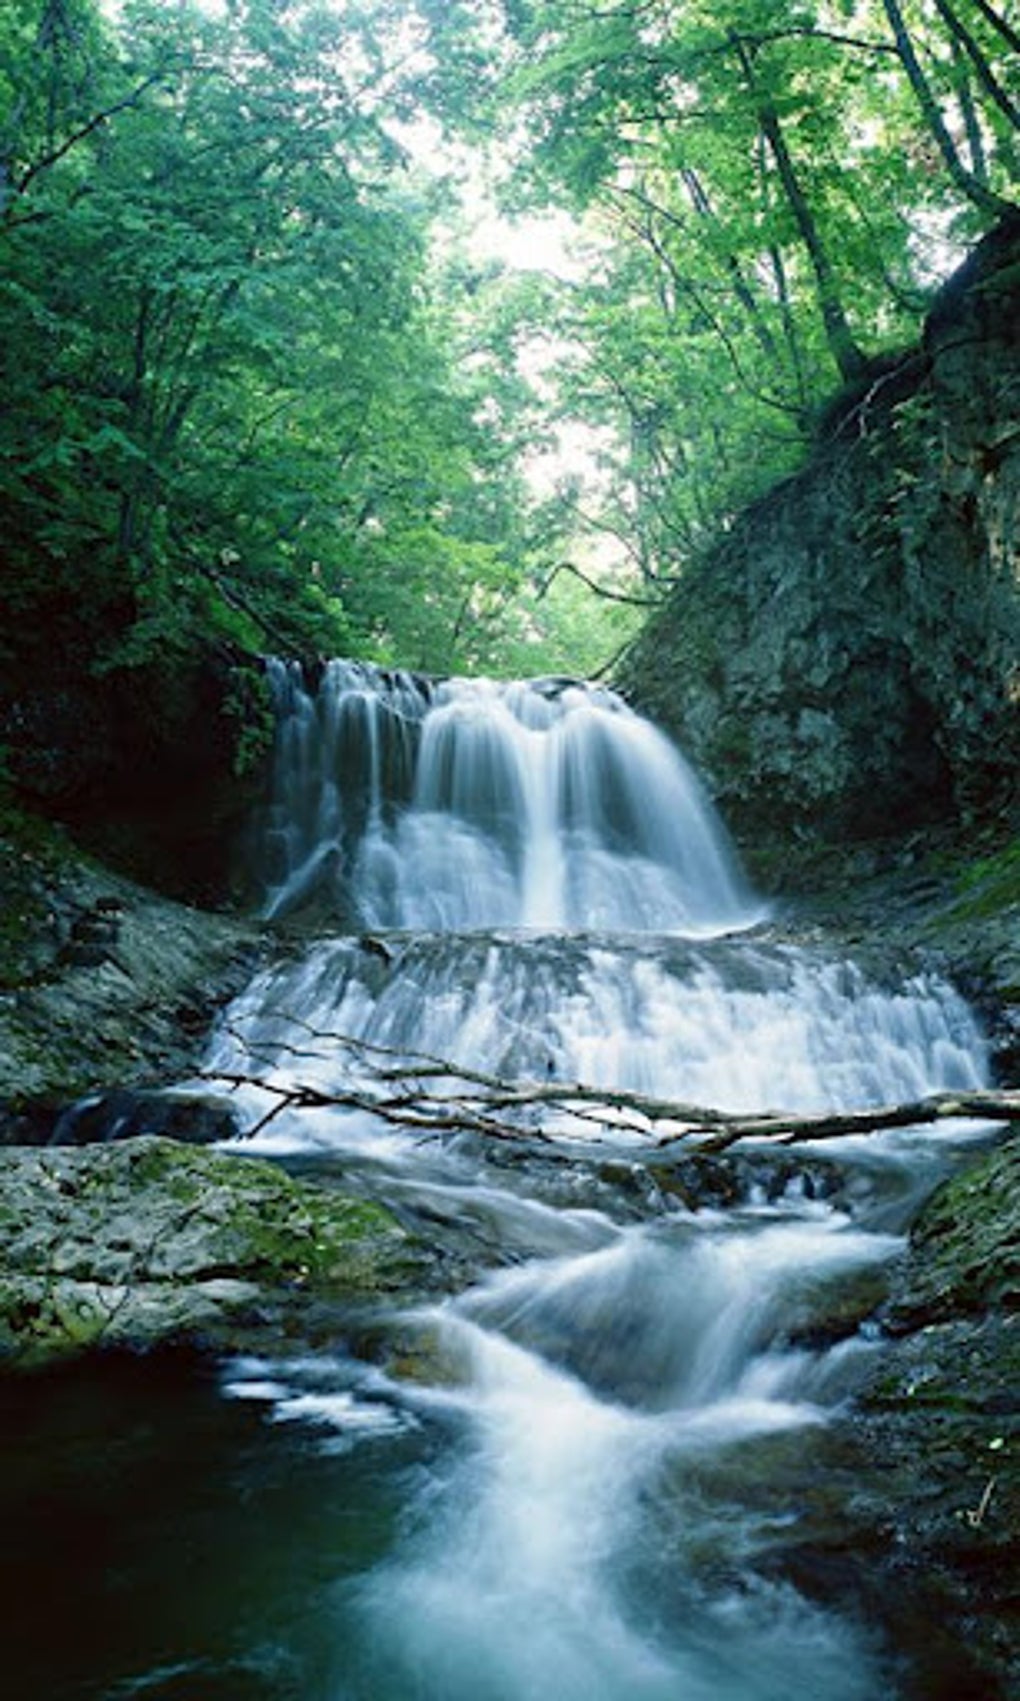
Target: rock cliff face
[
  {"x": 846, "y": 657},
  {"x": 154, "y": 767}
]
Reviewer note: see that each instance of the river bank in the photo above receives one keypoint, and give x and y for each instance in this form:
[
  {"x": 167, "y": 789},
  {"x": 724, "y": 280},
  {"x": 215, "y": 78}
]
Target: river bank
[
  {"x": 103, "y": 982},
  {"x": 927, "y": 1461}
]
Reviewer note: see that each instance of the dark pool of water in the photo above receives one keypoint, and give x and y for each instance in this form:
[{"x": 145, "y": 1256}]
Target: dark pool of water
[{"x": 162, "y": 1542}]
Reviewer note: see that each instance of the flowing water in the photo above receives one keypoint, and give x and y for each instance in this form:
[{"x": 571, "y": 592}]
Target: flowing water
[{"x": 578, "y": 1477}]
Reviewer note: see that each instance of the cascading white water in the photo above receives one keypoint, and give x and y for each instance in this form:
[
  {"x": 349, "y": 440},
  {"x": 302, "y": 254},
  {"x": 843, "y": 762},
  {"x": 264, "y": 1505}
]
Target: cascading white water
[
  {"x": 741, "y": 1026},
  {"x": 470, "y": 804},
  {"x": 590, "y": 1409}
]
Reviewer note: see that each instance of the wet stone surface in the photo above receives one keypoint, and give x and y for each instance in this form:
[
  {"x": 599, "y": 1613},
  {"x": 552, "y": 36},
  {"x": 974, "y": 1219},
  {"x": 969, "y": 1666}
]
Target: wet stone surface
[
  {"x": 146, "y": 1240},
  {"x": 937, "y": 1431}
]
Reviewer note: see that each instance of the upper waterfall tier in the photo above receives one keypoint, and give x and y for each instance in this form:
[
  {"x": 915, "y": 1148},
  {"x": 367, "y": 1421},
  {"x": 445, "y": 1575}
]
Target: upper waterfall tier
[{"x": 461, "y": 804}]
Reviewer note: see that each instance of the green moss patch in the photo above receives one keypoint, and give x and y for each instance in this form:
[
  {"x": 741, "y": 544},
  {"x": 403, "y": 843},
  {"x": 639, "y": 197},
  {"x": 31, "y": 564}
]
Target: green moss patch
[
  {"x": 989, "y": 885},
  {"x": 965, "y": 1247},
  {"x": 130, "y": 1243}
]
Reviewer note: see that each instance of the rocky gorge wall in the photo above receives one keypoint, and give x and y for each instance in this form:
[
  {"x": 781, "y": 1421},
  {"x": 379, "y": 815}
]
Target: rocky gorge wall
[
  {"x": 155, "y": 768},
  {"x": 847, "y": 657}
]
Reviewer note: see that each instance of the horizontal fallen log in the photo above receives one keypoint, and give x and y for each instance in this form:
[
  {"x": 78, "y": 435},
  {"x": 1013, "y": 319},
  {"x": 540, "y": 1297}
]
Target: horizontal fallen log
[
  {"x": 408, "y": 1092},
  {"x": 428, "y": 1116},
  {"x": 780, "y": 1129}
]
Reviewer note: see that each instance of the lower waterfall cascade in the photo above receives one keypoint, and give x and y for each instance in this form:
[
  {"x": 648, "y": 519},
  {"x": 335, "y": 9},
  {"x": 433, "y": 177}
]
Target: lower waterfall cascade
[
  {"x": 594, "y": 1467},
  {"x": 535, "y": 885}
]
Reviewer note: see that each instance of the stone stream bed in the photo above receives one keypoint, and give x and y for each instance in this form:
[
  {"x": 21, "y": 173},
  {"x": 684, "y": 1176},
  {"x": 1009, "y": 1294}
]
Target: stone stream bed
[{"x": 201, "y": 1353}]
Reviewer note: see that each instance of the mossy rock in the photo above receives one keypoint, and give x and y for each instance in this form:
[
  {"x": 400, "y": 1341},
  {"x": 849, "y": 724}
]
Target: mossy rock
[
  {"x": 965, "y": 1247},
  {"x": 147, "y": 1240},
  {"x": 989, "y": 885}
]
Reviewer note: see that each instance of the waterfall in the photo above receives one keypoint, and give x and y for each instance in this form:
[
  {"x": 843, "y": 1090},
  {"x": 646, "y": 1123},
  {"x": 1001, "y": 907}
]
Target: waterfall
[
  {"x": 606, "y": 1439},
  {"x": 468, "y": 803}
]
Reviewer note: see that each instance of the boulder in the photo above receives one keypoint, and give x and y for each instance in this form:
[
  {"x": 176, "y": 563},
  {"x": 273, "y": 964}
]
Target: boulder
[
  {"x": 965, "y": 1248},
  {"x": 146, "y": 1240}
]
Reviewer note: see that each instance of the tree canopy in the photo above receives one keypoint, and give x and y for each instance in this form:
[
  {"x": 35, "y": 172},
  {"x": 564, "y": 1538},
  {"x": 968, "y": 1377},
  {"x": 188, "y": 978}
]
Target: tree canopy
[
  {"x": 783, "y": 183},
  {"x": 258, "y": 385}
]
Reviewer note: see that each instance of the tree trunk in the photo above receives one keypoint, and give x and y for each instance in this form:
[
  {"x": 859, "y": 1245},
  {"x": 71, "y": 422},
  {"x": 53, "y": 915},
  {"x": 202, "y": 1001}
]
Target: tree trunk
[
  {"x": 963, "y": 40},
  {"x": 971, "y": 117},
  {"x": 1005, "y": 29},
  {"x": 975, "y": 192},
  {"x": 848, "y": 357}
]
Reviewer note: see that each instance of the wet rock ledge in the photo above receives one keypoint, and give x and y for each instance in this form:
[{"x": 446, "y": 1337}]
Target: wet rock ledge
[
  {"x": 148, "y": 1241},
  {"x": 103, "y": 983},
  {"x": 107, "y": 994},
  {"x": 935, "y": 1440},
  {"x": 145, "y": 1240}
]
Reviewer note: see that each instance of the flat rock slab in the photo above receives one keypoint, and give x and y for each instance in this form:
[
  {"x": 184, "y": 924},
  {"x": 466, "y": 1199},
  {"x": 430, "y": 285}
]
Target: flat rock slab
[{"x": 147, "y": 1240}]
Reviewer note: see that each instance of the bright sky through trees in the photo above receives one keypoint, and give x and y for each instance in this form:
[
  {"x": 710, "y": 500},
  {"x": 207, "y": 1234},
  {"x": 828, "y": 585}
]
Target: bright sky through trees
[{"x": 386, "y": 324}]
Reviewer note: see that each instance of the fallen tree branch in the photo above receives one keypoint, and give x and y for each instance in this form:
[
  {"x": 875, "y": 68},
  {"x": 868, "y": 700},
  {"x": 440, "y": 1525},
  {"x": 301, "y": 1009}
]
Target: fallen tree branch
[
  {"x": 496, "y": 1091},
  {"x": 980, "y": 1106},
  {"x": 432, "y": 1096},
  {"x": 421, "y": 1112}
]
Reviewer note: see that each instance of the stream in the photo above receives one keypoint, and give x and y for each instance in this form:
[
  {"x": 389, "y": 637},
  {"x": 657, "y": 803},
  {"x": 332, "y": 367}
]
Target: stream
[{"x": 599, "y": 1465}]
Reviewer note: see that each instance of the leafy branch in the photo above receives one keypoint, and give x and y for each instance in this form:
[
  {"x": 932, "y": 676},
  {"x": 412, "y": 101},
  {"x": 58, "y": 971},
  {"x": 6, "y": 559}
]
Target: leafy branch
[{"x": 21, "y": 184}]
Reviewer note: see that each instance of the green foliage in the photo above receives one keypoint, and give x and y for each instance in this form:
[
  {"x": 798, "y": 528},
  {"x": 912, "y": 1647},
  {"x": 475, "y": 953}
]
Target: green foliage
[
  {"x": 563, "y": 630},
  {"x": 773, "y": 179},
  {"x": 990, "y": 885},
  {"x": 241, "y": 402},
  {"x": 249, "y": 705},
  {"x": 257, "y": 389}
]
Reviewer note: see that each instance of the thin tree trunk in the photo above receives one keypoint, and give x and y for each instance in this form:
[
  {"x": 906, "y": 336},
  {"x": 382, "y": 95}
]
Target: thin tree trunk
[
  {"x": 848, "y": 357},
  {"x": 789, "y": 329},
  {"x": 968, "y": 185},
  {"x": 742, "y": 289},
  {"x": 135, "y": 399},
  {"x": 962, "y": 39},
  {"x": 971, "y": 117},
  {"x": 1005, "y": 29}
]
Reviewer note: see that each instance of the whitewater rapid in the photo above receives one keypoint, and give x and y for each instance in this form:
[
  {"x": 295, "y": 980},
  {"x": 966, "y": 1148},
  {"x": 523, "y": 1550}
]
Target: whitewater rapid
[{"x": 527, "y": 881}]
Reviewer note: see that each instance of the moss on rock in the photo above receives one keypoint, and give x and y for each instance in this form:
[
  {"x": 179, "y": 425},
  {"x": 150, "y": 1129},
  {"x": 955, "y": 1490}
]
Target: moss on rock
[
  {"x": 135, "y": 1243},
  {"x": 965, "y": 1247}
]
